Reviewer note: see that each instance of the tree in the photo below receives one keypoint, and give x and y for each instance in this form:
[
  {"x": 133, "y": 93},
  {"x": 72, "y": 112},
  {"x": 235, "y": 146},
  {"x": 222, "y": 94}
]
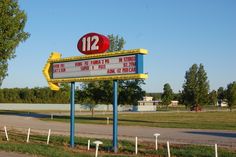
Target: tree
[
  {"x": 189, "y": 87},
  {"x": 12, "y": 23},
  {"x": 131, "y": 92},
  {"x": 92, "y": 95},
  {"x": 221, "y": 95},
  {"x": 202, "y": 86},
  {"x": 213, "y": 98},
  {"x": 116, "y": 43},
  {"x": 167, "y": 95},
  {"x": 196, "y": 86},
  {"x": 231, "y": 95}
]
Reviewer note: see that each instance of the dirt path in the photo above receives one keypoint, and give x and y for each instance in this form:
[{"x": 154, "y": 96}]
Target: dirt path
[{"x": 192, "y": 136}]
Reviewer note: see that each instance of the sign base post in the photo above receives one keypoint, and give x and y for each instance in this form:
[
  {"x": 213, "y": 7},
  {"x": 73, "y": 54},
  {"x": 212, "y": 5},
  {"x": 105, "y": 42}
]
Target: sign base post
[
  {"x": 72, "y": 114},
  {"x": 115, "y": 116}
]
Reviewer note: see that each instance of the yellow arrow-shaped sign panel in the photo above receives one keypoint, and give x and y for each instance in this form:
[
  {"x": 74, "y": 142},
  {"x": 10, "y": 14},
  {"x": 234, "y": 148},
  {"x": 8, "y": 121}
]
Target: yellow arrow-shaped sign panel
[
  {"x": 47, "y": 71},
  {"x": 119, "y": 65}
]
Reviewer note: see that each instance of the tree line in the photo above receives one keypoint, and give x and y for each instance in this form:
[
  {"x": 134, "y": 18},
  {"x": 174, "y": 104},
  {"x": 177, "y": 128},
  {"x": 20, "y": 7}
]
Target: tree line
[
  {"x": 34, "y": 95},
  {"x": 92, "y": 93}
]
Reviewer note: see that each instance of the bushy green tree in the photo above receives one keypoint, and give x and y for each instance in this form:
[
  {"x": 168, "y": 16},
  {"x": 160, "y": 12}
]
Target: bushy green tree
[
  {"x": 202, "y": 86},
  {"x": 221, "y": 93},
  {"x": 190, "y": 86},
  {"x": 231, "y": 95},
  {"x": 116, "y": 43},
  {"x": 167, "y": 95},
  {"x": 12, "y": 23},
  {"x": 92, "y": 95},
  {"x": 130, "y": 92},
  {"x": 196, "y": 86},
  {"x": 213, "y": 98}
]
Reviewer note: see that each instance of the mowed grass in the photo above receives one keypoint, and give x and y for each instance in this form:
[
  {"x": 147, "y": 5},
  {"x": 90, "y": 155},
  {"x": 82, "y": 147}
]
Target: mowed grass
[
  {"x": 59, "y": 147},
  {"x": 192, "y": 120}
]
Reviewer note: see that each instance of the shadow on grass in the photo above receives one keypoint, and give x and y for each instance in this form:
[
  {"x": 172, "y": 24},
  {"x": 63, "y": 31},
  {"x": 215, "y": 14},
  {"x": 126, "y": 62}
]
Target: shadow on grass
[
  {"x": 24, "y": 114},
  {"x": 220, "y": 134},
  {"x": 77, "y": 118},
  {"x": 128, "y": 121},
  {"x": 99, "y": 119}
]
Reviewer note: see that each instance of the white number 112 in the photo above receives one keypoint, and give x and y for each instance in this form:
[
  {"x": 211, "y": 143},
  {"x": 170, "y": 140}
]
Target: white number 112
[{"x": 90, "y": 43}]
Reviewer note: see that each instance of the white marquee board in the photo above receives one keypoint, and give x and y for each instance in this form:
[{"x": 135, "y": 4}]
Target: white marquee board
[{"x": 95, "y": 67}]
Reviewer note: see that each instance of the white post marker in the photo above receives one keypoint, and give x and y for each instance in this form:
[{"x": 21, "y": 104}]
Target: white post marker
[
  {"x": 97, "y": 145},
  {"x": 136, "y": 145},
  {"x": 51, "y": 116},
  {"x": 107, "y": 120},
  {"x": 28, "y": 136},
  {"x": 88, "y": 144},
  {"x": 5, "y": 128},
  {"x": 49, "y": 133},
  {"x": 156, "y": 144},
  {"x": 216, "y": 151},
  {"x": 168, "y": 148}
]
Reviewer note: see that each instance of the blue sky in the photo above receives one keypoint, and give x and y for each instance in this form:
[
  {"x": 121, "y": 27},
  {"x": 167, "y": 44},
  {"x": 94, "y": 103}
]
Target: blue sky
[{"x": 177, "y": 33}]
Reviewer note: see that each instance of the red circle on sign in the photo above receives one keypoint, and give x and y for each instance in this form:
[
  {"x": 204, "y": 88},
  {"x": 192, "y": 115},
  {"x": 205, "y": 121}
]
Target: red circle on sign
[{"x": 93, "y": 43}]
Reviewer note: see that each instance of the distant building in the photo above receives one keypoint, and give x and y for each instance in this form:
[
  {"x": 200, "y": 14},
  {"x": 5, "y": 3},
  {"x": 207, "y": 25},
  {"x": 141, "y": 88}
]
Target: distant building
[
  {"x": 147, "y": 104},
  {"x": 174, "y": 103},
  {"x": 147, "y": 98},
  {"x": 222, "y": 103}
]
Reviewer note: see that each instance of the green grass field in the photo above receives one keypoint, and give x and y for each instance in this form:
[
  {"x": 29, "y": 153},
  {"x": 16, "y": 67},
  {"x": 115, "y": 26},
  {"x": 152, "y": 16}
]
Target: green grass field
[
  {"x": 193, "y": 120},
  {"x": 59, "y": 147}
]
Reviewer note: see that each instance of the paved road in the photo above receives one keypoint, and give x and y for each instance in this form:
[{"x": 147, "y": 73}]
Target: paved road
[{"x": 193, "y": 136}]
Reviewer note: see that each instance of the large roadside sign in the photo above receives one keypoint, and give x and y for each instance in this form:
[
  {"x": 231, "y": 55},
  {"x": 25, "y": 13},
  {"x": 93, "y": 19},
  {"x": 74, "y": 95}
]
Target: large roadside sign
[
  {"x": 95, "y": 65},
  {"x": 120, "y": 65}
]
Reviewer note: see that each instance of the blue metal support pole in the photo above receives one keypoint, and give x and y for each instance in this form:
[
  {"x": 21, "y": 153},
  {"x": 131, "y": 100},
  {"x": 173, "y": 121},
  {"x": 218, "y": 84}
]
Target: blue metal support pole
[
  {"x": 115, "y": 116},
  {"x": 72, "y": 114}
]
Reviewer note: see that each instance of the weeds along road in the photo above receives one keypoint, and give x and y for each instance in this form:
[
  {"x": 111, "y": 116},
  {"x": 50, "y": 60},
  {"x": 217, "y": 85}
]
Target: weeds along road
[{"x": 189, "y": 136}]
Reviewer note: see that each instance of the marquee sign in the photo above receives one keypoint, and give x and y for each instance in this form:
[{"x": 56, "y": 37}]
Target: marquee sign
[
  {"x": 95, "y": 65},
  {"x": 120, "y": 65}
]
